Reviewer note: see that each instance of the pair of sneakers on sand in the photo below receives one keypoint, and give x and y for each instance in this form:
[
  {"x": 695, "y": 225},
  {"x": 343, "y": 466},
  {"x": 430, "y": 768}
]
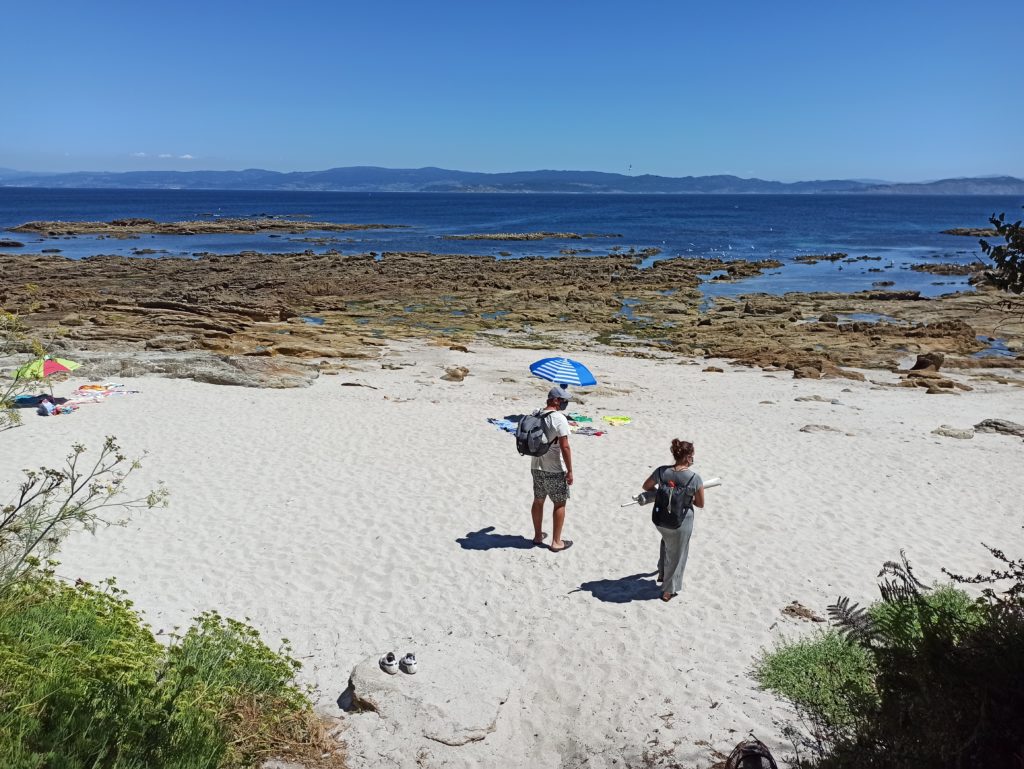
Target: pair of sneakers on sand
[{"x": 391, "y": 664}]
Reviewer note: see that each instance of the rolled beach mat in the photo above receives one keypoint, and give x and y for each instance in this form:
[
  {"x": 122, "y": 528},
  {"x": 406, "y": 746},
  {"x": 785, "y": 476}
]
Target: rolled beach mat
[{"x": 647, "y": 497}]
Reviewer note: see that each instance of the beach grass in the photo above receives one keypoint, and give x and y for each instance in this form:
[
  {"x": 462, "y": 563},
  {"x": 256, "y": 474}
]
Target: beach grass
[{"x": 85, "y": 683}]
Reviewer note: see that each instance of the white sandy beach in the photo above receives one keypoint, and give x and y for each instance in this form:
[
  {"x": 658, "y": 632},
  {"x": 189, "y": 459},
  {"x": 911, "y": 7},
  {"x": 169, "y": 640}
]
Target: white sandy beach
[{"x": 354, "y": 521}]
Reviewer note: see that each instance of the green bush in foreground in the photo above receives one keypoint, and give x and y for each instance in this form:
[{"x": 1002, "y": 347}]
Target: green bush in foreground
[
  {"x": 906, "y": 623},
  {"x": 923, "y": 679},
  {"x": 84, "y": 684},
  {"x": 827, "y": 678}
]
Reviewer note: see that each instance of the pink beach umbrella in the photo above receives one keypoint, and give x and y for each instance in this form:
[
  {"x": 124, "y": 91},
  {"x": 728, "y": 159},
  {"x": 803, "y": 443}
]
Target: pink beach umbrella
[{"x": 44, "y": 367}]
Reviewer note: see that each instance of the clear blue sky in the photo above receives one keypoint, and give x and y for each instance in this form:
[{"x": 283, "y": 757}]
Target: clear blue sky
[{"x": 904, "y": 90}]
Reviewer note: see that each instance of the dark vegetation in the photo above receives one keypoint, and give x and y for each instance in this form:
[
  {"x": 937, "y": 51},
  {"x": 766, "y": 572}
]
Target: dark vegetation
[
  {"x": 1008, "y": 255},
  {"x": 923, "y": 678}
]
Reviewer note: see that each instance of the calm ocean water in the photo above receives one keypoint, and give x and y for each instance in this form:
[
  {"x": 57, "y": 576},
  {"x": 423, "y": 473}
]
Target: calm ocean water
[{"x": 902, "y": 230}]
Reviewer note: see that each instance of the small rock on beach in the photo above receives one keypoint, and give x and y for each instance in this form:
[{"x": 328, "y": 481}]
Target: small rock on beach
[
  {"x": 819, "y": 429},
  {"x": 1004, "y": 426},
  {"x": 455, "y": 373}
]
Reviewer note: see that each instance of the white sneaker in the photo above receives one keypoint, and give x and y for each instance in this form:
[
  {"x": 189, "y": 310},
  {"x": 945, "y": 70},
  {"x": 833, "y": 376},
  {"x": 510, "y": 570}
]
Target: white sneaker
[
  {"x": 389, "y": 664},
  {"x": 408, "y": 663}
]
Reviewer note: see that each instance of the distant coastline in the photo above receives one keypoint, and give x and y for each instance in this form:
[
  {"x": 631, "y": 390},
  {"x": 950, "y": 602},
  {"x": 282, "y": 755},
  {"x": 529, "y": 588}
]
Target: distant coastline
[{"x": 374, "y": 179}]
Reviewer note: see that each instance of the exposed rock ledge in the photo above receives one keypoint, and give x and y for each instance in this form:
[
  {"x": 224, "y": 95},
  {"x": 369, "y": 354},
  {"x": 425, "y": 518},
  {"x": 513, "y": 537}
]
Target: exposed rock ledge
[
  {"x": 238, "y": 370},
  {"x": 972, "y": 232},
  {"x": 530, "y": 236},
  {"x": 455, "y": 699},
  {"x": 333, "y": 306}
]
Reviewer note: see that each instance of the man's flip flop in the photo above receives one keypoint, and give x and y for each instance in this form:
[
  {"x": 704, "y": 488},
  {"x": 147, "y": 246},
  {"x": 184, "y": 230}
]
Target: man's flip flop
[
  {"x": 543, "y": 536},
  {"x": 566, "y": 544}
]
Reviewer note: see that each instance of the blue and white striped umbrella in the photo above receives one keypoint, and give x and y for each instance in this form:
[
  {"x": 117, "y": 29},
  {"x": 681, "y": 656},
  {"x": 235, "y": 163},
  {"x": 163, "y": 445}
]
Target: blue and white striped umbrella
[{"x": 563, "y": 371}]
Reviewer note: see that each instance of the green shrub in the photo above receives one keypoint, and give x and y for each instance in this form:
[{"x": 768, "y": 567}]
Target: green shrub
[
  {"x": 904, "y": 622},
  {"x": 923, "y": 679},
  {"x": 221, "y": 675},
  {"x": 827, "y": 678},
  {"x": 84, "y": 684},
  {"x": 76, "y": 669}
]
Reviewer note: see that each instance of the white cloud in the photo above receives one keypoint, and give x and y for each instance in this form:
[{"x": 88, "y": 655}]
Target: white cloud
[{"x": 162, "y": 155}]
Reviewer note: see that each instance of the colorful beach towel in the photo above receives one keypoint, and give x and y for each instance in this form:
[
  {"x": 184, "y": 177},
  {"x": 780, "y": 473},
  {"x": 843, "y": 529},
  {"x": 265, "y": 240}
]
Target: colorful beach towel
[
  {"x": 503, "y": 424},
  {"x": 97, "y": 393},
  {"x": 617, "y": 419},
  {"x": 97, "y": 390}
]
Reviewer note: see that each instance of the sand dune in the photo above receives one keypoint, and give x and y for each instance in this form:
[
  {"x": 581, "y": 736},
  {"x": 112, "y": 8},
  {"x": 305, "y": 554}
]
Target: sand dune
[{"x": 354, "y": 521}]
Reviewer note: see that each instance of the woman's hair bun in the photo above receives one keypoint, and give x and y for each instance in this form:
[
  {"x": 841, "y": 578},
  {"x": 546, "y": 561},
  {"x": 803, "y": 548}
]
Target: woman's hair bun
[{"x": 682, "y": 451}]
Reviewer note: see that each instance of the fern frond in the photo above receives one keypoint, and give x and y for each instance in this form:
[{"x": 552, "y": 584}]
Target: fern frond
[
  {"x": 899, "y": 583},
  {"x": 853, "y": 621}
]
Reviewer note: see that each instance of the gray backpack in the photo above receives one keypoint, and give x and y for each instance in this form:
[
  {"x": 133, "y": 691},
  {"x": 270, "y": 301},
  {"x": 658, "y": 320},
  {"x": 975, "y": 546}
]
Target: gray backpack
[{"x": 531, "y": 440}]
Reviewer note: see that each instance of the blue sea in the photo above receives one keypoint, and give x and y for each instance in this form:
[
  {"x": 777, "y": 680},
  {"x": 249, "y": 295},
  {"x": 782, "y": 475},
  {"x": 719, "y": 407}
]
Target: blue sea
[{"x": 900, "y": 230}]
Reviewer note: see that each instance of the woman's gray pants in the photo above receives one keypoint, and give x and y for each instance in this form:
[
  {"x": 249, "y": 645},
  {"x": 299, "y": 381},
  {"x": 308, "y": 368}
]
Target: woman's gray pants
[{"x": 675, "y": 546}]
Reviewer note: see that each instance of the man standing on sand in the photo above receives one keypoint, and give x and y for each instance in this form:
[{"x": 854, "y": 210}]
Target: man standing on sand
[{"x": 550, "y": 477}]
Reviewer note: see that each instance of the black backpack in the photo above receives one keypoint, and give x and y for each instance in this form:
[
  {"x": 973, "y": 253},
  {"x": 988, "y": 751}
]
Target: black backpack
[
  {"x": 531, "y": 439},
  {"x": 671, "y": 502},
  {"x": 751, "y": 754}
]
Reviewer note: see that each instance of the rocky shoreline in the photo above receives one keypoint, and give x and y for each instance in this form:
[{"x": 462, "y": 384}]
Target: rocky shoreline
[
  {"x": 326, "y": 307},
  {"x": 973, "y": 232},
  {"x": 531, "y": 236}
]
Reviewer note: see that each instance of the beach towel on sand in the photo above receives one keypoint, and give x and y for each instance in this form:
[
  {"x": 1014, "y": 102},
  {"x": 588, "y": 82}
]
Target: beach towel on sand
[
  {"x": 93, "y": 393},
  {"x": 509, "y": 426},
  {"x": 617, "y": 419},
  {"x": 503, "y": 424},
  {"x": 97, "y": 393}
]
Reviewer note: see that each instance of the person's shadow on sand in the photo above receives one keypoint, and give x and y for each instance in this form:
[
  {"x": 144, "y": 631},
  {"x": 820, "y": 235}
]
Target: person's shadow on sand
[
  {"x": 485, "y": 540},
  {"x": 624, "y": 589}
]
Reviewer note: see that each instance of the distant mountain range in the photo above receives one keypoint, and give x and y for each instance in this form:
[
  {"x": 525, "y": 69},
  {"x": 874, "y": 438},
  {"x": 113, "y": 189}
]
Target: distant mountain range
[{"x": 374, "y": 179}]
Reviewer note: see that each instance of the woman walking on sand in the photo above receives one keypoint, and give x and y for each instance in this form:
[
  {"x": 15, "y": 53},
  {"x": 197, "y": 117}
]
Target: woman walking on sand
[{"x": 679, "y": 489}]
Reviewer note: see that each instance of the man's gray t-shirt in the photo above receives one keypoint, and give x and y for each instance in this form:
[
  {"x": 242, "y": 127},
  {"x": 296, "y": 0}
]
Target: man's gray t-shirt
[{"x": 555, "y": 426}]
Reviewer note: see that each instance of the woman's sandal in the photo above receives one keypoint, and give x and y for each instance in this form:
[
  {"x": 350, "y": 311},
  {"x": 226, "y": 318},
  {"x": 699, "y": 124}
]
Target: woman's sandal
[{"x": 666, "y": 597}]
